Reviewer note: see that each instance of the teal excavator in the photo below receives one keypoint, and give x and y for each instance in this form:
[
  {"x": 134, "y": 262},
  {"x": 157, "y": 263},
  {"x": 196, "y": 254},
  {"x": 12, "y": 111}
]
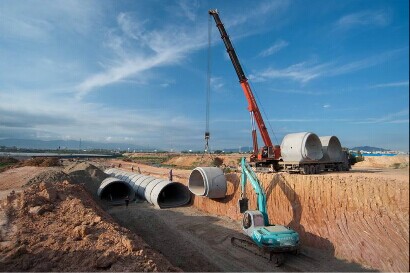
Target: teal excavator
[{"x": 269, "y": 241}]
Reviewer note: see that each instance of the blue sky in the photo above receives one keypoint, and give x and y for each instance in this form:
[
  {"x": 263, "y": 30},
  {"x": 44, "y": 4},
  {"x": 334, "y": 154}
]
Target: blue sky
[{"x": 136, "y": 71}]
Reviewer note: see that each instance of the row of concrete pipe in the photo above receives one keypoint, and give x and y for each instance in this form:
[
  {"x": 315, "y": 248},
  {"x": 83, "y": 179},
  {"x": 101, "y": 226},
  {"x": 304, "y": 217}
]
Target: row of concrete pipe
[
  {"x": 158, "y": 192},
  {"x": 210, "y": 181},
  {"x": 306, "y": 146}
]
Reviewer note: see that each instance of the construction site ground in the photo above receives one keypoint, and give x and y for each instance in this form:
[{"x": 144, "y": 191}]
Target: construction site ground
[{"x": 188, "y": 238}]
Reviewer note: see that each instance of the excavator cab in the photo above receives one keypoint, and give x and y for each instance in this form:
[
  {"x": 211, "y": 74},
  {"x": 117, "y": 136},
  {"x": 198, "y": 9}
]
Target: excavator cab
[{"x": 252, "y": 219}]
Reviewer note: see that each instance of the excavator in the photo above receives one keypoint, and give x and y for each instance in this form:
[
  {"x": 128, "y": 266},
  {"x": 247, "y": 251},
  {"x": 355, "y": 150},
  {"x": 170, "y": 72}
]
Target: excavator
[
  {"x": 268, "y": 241},
  {"x": 267, "y": 155}
]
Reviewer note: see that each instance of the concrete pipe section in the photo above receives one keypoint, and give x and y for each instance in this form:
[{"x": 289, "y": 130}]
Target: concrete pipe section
[
  {"x": 301, "y": 147},
  {"x": 208, "y": 181},
  {"x": 158, "y": 192},
  {"x": 114, "y": 190},
  {"x": 332, "y": 149}
]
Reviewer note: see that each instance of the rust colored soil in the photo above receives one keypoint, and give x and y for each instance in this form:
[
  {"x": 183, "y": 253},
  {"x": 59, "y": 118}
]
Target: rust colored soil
[{"x": 58, "y": 227}]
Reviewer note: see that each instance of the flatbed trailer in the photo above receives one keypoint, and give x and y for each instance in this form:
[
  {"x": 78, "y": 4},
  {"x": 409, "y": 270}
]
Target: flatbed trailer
[
  {"x": 305, "y": 167},
  {"x": 313, "y": 167}
]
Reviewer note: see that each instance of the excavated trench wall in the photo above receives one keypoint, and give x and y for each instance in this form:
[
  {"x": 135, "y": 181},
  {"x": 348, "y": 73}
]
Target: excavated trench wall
[{"x": 359, "y": 219}]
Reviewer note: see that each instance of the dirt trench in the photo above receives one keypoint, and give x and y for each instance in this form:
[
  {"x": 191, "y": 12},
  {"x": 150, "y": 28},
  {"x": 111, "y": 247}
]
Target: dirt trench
[
  {"x": 360, "y": 216},
  {"x": 199, "y": 242}
]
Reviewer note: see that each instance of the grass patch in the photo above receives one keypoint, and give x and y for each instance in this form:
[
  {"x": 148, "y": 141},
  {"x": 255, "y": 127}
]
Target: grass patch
[{"x": 7, "y": 162}]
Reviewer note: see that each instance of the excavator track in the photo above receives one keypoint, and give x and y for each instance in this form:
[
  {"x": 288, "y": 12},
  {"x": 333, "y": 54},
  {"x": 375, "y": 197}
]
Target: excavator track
[{"x": 277, "y": 258}]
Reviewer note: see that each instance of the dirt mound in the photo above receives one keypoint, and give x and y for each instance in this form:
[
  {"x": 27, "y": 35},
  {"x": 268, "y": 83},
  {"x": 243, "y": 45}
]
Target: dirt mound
[
  {"x": 58, "y": 227},
  {"x": 49, "y": 176},
  {"x": 396, "y": 162},
  {"x": 42, "y": 162},
  {"x": 193, "y": 161},
  {"x": 86, "y": 174}
]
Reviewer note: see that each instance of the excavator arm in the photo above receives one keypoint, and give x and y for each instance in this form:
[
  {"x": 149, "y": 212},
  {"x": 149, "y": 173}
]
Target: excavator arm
[
  {"x": 247, "y": 173},
  {"x": 256, "y": 116}
]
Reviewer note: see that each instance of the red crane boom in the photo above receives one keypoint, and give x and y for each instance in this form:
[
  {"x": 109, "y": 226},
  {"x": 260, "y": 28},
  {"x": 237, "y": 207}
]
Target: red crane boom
[{"x": 268, "y": 153}]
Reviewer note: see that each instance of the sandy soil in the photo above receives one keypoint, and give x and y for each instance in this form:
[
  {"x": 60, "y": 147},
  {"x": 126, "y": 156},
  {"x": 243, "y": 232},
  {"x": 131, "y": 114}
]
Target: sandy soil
[
  {"x": 57, "y": 226},
  {"x": 16, "y": 178},
  {"x": 344, "y": 219},
  {"x": 197, "y": 241},
  {"x": 353, "y": 215},
  {"x": 385, "y": 161}
]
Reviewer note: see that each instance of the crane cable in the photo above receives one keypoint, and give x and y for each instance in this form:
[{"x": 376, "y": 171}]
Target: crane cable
[{"x": 208, "y": 94}]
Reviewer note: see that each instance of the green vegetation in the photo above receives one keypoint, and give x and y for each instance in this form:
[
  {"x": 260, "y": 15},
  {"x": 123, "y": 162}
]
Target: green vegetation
[
  {"x": 6, "y": 162},
  {"x": 149, "y": 159}
]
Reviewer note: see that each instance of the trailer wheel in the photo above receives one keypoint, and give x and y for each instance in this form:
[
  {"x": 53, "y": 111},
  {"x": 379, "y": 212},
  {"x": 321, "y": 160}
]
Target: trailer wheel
[
  {"x": 317, "y": 169},
  {"x": 306, "y": 169},
  {"x": 339, "y": 167},
  {"x": 312, "y": 169}
]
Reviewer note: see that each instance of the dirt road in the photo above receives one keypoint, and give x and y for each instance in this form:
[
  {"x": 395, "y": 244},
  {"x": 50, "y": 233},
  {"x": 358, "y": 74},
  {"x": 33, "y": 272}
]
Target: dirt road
[{"x": 196, "y": 241}]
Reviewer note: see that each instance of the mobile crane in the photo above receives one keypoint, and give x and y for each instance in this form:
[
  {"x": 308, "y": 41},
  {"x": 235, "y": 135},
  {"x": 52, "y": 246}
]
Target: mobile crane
[
  {"x": 269, "y": 239},
  {"x": 268, "y": 154}
]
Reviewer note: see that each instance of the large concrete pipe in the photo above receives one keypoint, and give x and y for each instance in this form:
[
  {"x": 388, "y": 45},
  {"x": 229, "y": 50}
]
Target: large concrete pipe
[
  {"x": 332, "y": 149},
  {"x": 160, "y": 193},
  {"x": 114, "y": 189},
  {"x": 301, "y": 147},
  {"x": 207, "y": 181}
]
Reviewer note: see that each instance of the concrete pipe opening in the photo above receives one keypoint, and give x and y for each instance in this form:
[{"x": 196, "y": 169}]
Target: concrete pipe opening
[
  {"x": 207, "y": 181},
  {"x": 113, "y": 189},
  {"x": 332, "y": 149},
  {"x": 167, "y": 194},
  {"x": 301, "y": 147}
]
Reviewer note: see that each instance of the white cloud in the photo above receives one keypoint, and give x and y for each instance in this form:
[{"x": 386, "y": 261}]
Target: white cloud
[
  {"x": 157, "y": 48},
  {"x": 391, "y": 84},
  {"x": 326, "y": 106},
  {"x": 216, "y": 83},
  {"x": 261, "y": 10},
  {"x": 188, "y": 7},
  {"x": 379, "y": 18},
  {"x": 278, "y": 45},
  {"x": 398, "y": 117},
  {"x": 36, "y": 20},
  {"x": 305, "y": 72},
  {"x": 299, "y": 72},
  {"x": 42, "y": 116},
  {"x": 300, "y": 92}
]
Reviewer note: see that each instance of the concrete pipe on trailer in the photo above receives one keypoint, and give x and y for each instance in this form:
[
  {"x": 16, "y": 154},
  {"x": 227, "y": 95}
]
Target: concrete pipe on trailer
[
  {"x": 301, "y": 147},
  {"x": 332, "y": 149},
  {"x": 207, "y": 181},
  {"x": 114, "y": 189}
]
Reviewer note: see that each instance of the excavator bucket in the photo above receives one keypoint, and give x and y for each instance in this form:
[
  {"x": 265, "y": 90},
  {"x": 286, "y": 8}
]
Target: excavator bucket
[{"x": 243, "y": 205}]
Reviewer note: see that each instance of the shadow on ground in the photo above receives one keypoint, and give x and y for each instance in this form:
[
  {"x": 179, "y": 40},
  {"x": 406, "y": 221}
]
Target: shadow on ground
[{"x": 195, "y": 241}]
